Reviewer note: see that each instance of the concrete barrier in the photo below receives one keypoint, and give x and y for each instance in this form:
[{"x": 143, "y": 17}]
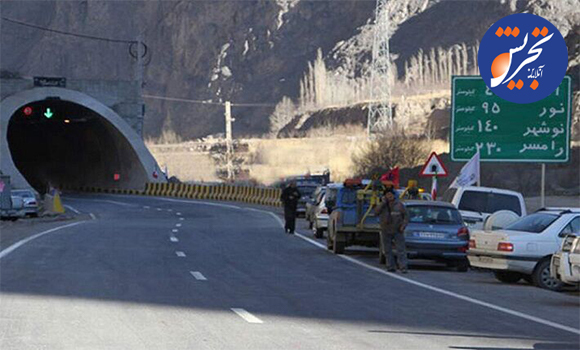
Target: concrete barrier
[{"x": 220, "y": 192}]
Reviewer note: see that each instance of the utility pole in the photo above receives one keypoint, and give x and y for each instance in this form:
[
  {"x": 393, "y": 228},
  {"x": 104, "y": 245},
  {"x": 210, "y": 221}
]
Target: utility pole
[
  {"x": 380, "y": 116},
  {"x": 230, "y": 150},
  {"x": 139, "y": 73}
]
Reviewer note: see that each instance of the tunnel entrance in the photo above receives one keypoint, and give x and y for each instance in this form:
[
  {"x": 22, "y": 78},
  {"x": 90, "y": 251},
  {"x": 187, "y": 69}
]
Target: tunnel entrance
[{"x": 67, "y": 145}]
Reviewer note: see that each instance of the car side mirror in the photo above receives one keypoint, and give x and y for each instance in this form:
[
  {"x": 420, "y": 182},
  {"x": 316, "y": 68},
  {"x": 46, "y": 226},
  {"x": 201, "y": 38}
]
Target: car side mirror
[{"x": 563, "y": 234}]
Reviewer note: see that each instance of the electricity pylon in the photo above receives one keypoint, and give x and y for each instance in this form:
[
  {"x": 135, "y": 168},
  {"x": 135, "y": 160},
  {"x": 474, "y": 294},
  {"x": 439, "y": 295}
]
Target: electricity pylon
[{"x": 380, "y": 117}]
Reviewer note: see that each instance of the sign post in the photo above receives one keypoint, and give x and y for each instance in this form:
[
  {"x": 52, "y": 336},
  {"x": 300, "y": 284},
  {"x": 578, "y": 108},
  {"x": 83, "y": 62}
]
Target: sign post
[
  {"x": 503, "y": 131},
  {"x": 434, "y": 167}
]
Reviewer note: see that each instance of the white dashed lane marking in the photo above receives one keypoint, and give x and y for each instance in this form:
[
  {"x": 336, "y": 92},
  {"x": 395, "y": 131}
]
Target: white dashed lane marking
[
  {"x": 178, "y": 214},
  {"x": 146, "y": 207},
  {"x": 198, "y": 275},
  {"x": 180, "y": 254},
  {"x": 177, "y": 225},
  {"x": 173, "y": 239},
  {"x": 246, "y": 316},
  {"x": 174, "y": 230},
  {"x": 181, "y": 219}
]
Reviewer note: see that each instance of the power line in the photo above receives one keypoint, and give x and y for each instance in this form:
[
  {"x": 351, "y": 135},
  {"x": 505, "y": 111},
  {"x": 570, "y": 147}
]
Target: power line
[
  {"x": 175, "y": 99},
  {"x": 84, "y": 36}
]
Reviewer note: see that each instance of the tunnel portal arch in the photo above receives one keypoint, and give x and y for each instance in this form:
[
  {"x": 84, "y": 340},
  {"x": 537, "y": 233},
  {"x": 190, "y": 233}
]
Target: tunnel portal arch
[{"x": 121, "y": 147}]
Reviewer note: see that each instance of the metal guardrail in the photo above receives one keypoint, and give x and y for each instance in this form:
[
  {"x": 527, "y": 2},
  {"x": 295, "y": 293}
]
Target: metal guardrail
[{"x": 219, "y": 192}]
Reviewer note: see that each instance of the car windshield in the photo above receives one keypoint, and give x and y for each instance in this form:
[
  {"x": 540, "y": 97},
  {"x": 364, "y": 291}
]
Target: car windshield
[
  {"x": 306, "y": 190},
  {"x": 23, "y": 194},
  {"x": 534, "y": 223},
  {"x": 425, "y": 214},
  {"x": 487, "y": 202}
]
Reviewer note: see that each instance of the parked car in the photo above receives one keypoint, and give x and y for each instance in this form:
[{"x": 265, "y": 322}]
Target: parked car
[
  {"x": 565, "y": 264},
  {"x": 317, "y": 213},
  {"x": 29, "y": 202},
  {"x": 436, "y": 231},
  {"x": 524, "y": 249},
  {"x": 306, "y": 190},
  {"x": 312, "y": 203},
  {"x": 477, "y": 203},
  {"x": 320, "y": 217}
]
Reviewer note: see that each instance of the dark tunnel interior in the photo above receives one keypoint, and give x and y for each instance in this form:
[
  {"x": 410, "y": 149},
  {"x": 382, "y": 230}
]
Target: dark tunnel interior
[{"x": 66, "y": 145}]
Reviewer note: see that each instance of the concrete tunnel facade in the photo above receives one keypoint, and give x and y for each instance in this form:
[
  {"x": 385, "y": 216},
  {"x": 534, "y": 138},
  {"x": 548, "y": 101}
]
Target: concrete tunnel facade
[{"x": 83, "y": 143}]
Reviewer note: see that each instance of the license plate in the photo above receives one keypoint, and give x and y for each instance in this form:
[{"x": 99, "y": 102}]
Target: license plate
[
  {"x": 486, "y": 259},
  {"x": 437, "y": 235}
]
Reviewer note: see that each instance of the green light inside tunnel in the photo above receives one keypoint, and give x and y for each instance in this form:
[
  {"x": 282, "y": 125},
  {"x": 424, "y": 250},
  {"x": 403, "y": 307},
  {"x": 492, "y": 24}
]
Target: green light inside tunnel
[{"x": 66, "y": 145}]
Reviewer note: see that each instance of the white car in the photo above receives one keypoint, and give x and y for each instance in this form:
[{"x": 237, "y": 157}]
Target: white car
[
  {"x": 476, "y": 203},
  {"x": 524, "y": 249},
  {"x": 319, "y": 215},
  {"x": 566, "y": 262},
  {"x": 29, "y": 202}
]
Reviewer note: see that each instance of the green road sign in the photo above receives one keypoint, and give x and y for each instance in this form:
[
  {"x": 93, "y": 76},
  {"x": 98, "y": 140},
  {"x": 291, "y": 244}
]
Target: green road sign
[{"x": 505, "y": 131}]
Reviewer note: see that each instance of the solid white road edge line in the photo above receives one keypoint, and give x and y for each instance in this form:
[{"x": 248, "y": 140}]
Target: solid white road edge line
[
  {"x": 246, "y": 315},
  {"x": 72, "y": 208},
  {"x": 19, "y": 244},
  {"x": 435, "y": 289},
  {"x": 180, "y": 254},
  {"x": 198, "y": 275}
]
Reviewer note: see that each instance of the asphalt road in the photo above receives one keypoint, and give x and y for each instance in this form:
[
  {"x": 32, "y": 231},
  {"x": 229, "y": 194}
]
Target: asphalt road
[{"x": 151, "y": 273}]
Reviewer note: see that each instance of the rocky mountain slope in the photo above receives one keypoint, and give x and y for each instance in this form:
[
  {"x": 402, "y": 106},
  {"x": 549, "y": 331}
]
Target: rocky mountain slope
[{"x": 250, "y": 52}]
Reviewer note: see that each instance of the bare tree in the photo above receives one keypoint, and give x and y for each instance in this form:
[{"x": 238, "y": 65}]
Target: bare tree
[{"x": 282, "y": 115}]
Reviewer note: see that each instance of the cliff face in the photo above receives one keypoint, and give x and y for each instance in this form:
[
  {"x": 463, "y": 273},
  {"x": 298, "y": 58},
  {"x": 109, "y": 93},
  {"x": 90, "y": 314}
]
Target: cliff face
[{"x": 243, "y": 51}]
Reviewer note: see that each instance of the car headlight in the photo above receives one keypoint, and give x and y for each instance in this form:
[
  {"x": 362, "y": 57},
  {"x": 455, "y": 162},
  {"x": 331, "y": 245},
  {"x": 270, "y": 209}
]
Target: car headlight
[{"x": 568, "y": 242}]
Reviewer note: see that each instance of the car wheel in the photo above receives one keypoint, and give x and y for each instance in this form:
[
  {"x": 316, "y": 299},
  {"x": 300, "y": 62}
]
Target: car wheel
[
  {"x": 338, "y": 247},
  {"x": 542, "y": 278},
  {"x": 462, "y": 266},
  {"x": 507, "y": 276}
]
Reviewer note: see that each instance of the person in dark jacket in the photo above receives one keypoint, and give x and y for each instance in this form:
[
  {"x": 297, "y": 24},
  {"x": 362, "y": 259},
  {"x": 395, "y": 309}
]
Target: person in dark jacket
[
  {"x": 393, "y": 218},
  {"x": 289, "y": 198}
]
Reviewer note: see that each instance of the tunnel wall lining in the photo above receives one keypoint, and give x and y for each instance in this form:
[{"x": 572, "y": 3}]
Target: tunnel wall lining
[{"x": 11, "y": 104}]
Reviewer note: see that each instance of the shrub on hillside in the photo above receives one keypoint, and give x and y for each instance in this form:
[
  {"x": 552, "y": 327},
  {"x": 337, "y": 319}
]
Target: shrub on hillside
[{"x": 389, "y": 151}]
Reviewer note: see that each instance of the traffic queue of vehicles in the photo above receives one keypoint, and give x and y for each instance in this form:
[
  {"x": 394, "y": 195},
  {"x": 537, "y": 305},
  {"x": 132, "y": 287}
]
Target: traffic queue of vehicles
[{"x": 542, "y": 248}]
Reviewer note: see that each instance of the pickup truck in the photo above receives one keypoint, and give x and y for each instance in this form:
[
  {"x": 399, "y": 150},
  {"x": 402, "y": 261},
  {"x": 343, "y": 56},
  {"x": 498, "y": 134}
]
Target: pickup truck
[
  {"x": 477, "y": 203},
  {"x": 351, "y": 217}
]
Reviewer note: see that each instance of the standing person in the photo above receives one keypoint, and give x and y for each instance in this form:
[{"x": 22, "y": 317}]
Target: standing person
[
  {"x": 393, "y": 218},
  {"x": 289, "y": 198}
]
